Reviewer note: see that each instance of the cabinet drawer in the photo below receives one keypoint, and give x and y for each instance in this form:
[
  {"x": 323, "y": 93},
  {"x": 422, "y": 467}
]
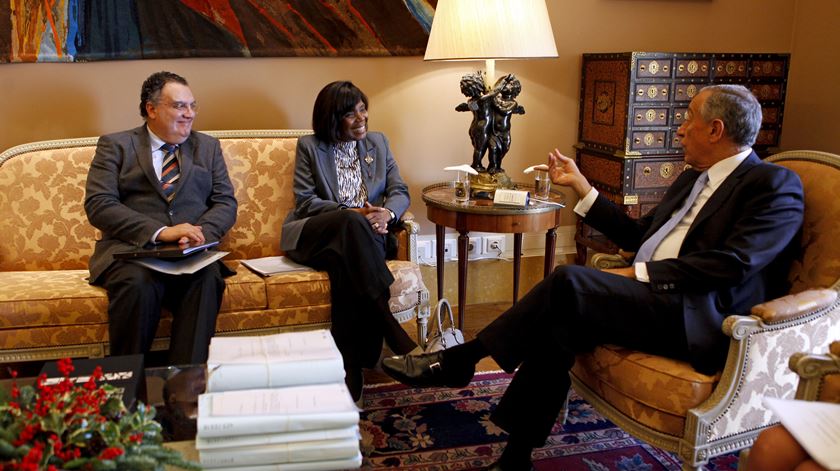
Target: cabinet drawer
[{"x": 647, "y": 116}]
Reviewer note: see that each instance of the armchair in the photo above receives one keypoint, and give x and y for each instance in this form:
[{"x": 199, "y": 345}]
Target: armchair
[
  {"x": 668, "y": 404},
  {"x": 819, "y": 380}
]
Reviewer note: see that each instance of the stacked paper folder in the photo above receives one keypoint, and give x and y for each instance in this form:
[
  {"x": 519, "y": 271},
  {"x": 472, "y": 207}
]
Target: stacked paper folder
[{"x": 277, "y": 402}]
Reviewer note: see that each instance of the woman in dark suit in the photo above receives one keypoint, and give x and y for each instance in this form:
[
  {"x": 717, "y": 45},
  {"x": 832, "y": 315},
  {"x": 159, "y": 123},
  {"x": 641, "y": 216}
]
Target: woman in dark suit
[{"x": 348, "y": 191}]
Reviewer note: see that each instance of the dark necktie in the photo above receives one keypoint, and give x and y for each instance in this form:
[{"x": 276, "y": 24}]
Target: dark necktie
[
  {"x": 649, "y": 246},
  {"x": 170, "y": 171}
]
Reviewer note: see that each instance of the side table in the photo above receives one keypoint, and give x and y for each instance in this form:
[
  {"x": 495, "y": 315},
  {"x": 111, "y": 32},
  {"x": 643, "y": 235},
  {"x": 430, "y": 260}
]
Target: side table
[{"x": 484, "y": 216}]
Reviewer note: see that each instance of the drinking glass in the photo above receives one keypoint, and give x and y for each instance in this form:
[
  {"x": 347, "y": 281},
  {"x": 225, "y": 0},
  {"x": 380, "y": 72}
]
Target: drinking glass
[
  {"x": 542, "y": 185},
  {"x": 461, "y": 184}
]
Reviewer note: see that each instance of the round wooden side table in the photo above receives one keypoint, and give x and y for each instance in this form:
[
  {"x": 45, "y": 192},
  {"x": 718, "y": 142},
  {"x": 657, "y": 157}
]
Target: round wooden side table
[{"x": 485, "y": 216}]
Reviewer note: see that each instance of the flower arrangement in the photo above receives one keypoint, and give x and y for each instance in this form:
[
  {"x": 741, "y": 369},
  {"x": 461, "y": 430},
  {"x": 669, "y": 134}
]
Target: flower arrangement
[{"x": 86, "y": 427}]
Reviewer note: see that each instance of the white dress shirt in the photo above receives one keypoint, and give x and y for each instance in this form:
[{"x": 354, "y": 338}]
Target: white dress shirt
[{"x": 670, "y": 245}]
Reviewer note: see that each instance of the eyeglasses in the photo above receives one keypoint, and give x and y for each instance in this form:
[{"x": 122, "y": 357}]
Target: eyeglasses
[{"x": 182, "y": 106}]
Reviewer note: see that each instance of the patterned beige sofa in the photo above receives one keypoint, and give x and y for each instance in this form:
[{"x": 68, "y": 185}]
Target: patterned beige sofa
[{"x": 47, "y": 308}]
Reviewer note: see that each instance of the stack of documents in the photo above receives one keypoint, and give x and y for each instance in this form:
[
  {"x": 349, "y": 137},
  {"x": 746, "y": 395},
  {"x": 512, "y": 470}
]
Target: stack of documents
[{"x": 277, "y": 402}]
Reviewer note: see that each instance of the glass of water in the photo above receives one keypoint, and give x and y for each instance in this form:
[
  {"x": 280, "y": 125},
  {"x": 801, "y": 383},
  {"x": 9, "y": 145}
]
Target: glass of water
[
  {"x": 542, "y": 185},
  {"x": 461, "y": 184}
]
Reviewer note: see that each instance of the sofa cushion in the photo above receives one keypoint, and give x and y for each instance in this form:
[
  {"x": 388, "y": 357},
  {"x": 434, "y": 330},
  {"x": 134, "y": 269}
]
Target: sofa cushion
[
  {"x": 50, "y": 298},
  {"x": 244, "y": 291},
  {"x": 651, "y": 389}
]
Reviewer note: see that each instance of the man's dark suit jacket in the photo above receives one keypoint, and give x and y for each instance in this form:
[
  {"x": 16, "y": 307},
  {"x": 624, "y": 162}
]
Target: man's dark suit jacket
[
  {"x": 736, "y": 253},
  {"x": 125, "y": 201}
]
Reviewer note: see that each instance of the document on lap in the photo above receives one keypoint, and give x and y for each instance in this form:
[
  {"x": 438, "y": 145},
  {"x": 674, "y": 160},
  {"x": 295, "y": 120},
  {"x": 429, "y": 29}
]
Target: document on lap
[
  {"x": 169, "y": 251},
  {"x": 815, "y": 425},
  {"x": 267, "y": 266},
  {"x": 184, "y": 266}
]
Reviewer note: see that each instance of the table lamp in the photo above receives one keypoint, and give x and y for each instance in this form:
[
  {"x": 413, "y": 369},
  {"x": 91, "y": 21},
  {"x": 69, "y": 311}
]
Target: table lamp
[{"x": 490, "y": 30}]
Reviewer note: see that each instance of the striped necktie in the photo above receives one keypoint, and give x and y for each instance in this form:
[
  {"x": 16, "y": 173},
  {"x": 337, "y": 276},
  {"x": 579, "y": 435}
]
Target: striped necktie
[{"x": 170, "y": 171}]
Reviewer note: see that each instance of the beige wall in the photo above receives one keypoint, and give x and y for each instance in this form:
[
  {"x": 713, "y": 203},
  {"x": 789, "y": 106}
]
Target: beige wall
[
  {"x": 413, "y": 102},
  {"x": 810, "y": 120}
]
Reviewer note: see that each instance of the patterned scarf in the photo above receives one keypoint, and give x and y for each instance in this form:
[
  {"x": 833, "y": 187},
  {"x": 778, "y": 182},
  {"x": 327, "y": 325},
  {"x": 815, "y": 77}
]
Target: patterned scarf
[{"x": 352, "y": 191}]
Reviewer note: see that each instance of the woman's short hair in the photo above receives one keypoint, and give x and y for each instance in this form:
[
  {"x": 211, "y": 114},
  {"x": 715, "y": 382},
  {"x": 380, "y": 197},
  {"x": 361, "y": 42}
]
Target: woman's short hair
[
  {"x": 150, "y": 91},
  {"x": 334, "y": 101},
  {"x": 739, "y": 110}
]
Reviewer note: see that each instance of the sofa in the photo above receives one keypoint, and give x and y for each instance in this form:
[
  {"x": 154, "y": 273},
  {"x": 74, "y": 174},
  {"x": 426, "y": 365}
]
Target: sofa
[{"x": 47, "y": 308}]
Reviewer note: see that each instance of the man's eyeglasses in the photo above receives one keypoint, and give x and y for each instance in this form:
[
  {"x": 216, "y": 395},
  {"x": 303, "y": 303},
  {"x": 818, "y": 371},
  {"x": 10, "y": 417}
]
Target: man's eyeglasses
[{"x": 182, "y": 106}]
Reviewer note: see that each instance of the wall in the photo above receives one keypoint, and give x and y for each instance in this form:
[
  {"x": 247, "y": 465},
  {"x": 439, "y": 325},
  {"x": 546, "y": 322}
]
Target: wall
[
  {"x": 412, "y": 101},
  {"x": 810, "y": 120}
]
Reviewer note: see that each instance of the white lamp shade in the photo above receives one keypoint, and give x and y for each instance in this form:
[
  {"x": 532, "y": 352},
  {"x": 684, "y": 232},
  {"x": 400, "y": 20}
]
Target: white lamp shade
[{"x": 490, "y": 29}]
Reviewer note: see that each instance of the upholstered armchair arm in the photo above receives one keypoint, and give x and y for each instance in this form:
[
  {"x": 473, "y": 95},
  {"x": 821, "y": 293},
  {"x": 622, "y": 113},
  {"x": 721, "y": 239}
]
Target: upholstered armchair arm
[
  {"x": 757, "y": 348},
  {"x": 603, "y": 261},
  {"x": 407, "y": 236},
  {"x": 819, "y": 374},
  {"x": 794, "y": 305}
]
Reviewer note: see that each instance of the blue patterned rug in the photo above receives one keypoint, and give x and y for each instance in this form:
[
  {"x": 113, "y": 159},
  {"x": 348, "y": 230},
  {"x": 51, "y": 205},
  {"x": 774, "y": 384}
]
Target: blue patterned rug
[{"x": 449, "y": 429}]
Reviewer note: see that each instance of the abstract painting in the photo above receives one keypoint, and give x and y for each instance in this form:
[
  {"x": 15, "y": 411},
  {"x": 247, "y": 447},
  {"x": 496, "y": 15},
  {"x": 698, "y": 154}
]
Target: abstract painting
[{"x": 95, "y": 30}]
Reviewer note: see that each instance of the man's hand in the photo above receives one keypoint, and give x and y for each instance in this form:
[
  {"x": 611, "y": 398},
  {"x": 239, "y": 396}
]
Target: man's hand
[
  {"x": 563, "y": 171},
  {"x": 182, "y": 233},
  {"x": 627, "y": 272}
]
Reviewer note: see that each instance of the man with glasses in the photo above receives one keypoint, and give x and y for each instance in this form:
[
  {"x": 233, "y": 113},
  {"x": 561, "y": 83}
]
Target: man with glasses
[{"x": 159, "y": 183}]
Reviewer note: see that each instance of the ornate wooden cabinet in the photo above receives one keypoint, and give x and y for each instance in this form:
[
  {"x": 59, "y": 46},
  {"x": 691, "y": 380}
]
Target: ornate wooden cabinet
[{"x": 632, "y": 103}]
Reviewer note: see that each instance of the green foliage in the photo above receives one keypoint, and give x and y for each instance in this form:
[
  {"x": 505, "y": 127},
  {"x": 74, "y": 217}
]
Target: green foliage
[{"x": 70, "y": 426}]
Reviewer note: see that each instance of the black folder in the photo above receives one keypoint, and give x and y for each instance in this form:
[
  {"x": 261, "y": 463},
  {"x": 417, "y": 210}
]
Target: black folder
[{"x": 166, "y": 251}]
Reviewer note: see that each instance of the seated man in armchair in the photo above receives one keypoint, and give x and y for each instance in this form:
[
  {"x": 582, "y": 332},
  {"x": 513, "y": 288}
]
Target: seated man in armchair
[{"x": 719, "y": 243}]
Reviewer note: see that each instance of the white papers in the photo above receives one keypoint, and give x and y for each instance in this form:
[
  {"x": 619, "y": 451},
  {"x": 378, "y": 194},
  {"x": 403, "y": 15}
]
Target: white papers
[
  {"x": 236, "y": 441},
  {"x": 511, "y": 197},
  {"x": 323, "y": 465},
  {"x": 462, "y": 168},
  {"x": 183, "y": 266},
  {"x": 815, "y": 425},
  {"x": 321, "y": 450},
  {"x": 267, "y": 266},
  {"x": 292, "y": 409},
  {"x": 530, "y": 169},
  {"x": 268, "y": 361}
]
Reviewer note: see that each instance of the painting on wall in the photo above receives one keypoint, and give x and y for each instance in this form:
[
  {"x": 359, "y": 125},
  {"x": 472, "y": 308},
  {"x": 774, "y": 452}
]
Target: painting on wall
[{"x": 95, "y": 30}]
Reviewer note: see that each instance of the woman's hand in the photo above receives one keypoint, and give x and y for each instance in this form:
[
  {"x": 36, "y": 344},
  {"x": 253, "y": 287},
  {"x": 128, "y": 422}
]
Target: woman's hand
[
  {"x": 563, "y": 171},
  {"x": 378, "y": 217}
]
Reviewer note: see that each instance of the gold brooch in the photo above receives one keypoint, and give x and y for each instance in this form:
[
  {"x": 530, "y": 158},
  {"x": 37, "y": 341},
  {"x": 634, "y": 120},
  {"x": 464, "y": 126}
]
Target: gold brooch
[{"x": 368, "y": 159}]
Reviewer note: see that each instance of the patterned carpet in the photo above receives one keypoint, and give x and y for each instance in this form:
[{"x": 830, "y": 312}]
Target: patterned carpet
[{"x": 449, "y": 429}]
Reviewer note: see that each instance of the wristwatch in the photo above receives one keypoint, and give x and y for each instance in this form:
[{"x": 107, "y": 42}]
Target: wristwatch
[{"x": 393, "y": 216}]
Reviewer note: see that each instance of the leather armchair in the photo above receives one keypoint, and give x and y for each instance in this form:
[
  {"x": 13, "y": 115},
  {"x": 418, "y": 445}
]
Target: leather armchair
[{"x": 668, "y": 404}]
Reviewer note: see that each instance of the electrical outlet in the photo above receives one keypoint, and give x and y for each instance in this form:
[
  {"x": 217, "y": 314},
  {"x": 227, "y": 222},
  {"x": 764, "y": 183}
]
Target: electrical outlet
[
  {"x": 474, "y": 247},
  {"x": 494, "y": 246},
  {"x": 425, "y": 250},
  {"x": 450, "y": 249}
]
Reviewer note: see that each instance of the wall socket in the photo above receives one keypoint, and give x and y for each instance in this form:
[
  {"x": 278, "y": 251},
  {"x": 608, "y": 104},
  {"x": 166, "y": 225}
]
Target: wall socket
[
  {"x": 425, "y": 250},
  {"x": 474, "y": 247},
  {"x": 494, "y": 245},
  {"x": 450, "y": 249}
]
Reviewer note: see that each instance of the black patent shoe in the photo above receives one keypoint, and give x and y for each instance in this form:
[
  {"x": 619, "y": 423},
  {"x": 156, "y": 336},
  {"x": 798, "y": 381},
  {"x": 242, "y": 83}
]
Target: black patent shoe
[
  {"x": 498, "y": 467},
  {"x": 427, "y": 370}
]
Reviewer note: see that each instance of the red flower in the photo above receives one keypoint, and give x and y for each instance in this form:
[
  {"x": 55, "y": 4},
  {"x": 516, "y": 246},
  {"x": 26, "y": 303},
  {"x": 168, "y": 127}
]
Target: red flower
[
  {"x": 110, "y": 453},
  {"x": 65, "y": 366}
]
